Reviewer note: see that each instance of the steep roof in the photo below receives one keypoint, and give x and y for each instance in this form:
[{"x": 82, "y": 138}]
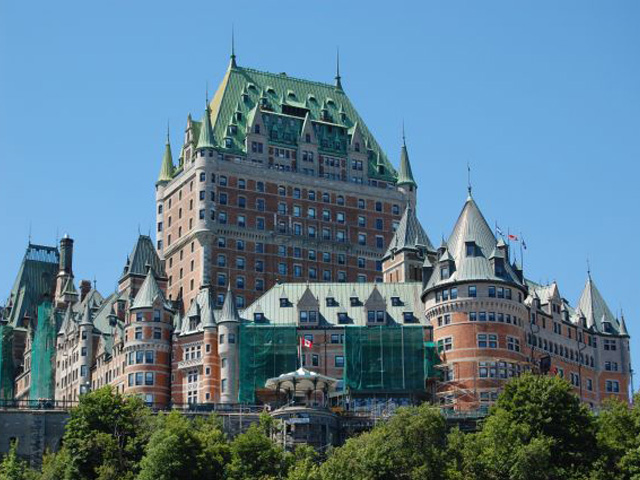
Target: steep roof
[
  {"x": 206, "y": 138},
  {"x": 143, "y": 254},
  {"x": 281, "y": 92},
  {"x": 405, "y": 175},
  {"x": 229, "y": 311},
  {"x": 36, "y": 277},
  {"x": 408, "y": 235},
  {"x": 149, "y": 293},
  {"x": 471, "y": 226},
  {"x": 166, "y": 170},
  {"x": 202, "y": 307},
  {"x": 408, "y": 294},
  {"x": 595, "y": 309}
]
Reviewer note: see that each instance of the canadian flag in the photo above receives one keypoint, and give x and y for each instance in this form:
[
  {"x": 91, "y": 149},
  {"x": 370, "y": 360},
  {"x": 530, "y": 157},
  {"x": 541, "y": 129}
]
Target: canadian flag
[
  {"x": 307, "y": 343},
  {"x": 513, "y": 237}
]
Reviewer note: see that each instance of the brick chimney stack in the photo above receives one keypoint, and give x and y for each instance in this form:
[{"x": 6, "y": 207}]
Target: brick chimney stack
[{"x": 85, "y": 287}]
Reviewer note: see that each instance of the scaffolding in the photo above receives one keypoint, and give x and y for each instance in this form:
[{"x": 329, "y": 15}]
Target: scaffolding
[
  {"x": 43, "y": 354},
  {"x": 385, "y": 358},
  {"x": 266, "y": 351},
  {"x": 6, "y": 362}
]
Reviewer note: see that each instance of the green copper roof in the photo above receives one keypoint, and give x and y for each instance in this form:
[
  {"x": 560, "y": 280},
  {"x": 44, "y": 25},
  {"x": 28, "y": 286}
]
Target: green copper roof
[
  {"x": 149, "y": 292},
  {"x": 282, "y": 94},
  {"x": 594, "y": 307},
  {"x": 409, "y": 235},
  {"x": 205, "y": 139},
  {"x": 405, "y": 175},
  {"x": 166, "y": 170},
  {"x": 144, "y": 253},
  {"x": 35, "y": 279}
]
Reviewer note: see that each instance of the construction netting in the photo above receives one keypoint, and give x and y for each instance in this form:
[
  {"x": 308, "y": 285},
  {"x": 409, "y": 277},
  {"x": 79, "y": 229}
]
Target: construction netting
[
  {"x": 266, "y": 351},
  {"x": 431, "y": 359},
  {"x": 384, "y": 358},
  {"x": 43, "y": 354},
  {"x": 6, "y": 362}
]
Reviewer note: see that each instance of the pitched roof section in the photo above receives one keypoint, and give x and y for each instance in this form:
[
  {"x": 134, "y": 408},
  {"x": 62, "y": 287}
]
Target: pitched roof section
[
  {"x": 405, "y": 175},
  {"x": 281, "y": 92},
  {"x": 149, "y": 293},
  {"x": 595, "y": 309},
  {"x": 471, "y": 227},
  {"x": 341, "y": 294},
  {"x": 201, "y": 308},
  {"x": 36, "y": 277},
  {"x": 409, "y": 235},
  {"x": 143, "y": 255}
]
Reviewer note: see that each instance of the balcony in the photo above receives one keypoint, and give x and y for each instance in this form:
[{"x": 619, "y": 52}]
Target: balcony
[{"x": 191, "y": 363}]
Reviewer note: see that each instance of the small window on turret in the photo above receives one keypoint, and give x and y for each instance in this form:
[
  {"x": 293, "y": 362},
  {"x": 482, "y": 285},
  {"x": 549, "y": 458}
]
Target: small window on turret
[
  {"x": 444, "y": 273},
  {"x": 471, "y": 249}
]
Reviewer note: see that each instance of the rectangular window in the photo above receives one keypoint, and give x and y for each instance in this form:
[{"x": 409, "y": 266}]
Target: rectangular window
[
  {"x": 492, "y": 291},
  {"x": 513, "y": 344},
  {"x": 339, "y": 361},
  {"x": 148, "y": 378}
]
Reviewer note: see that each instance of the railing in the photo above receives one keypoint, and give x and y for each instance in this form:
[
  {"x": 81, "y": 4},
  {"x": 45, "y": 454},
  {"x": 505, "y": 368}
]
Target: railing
[{"x": 37, "y": 404}]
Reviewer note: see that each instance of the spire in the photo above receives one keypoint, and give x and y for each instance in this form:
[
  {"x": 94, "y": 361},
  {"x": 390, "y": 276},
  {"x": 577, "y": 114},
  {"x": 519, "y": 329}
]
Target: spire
[
  {"x": 623, "y": 325},
  {"x": 232, "y": 63},
  {"x": 405, "y": 175},
  {"x": 86, "y": 317},
  {"x": 229, "y": 312},
  {"x": 149, "y": 292},
  {"x": 409, "y": 235},
  {"x": 594, "y": 307},
  {"x": 469, "y": 179},
  {"x": 205, "y": 140},
  {"x": 338, "y": 77},
  {"x": 166, "y": 170}
]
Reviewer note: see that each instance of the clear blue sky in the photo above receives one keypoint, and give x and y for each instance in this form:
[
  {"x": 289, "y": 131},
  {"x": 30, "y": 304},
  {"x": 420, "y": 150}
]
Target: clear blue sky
[{"x": 541, "y": 97}]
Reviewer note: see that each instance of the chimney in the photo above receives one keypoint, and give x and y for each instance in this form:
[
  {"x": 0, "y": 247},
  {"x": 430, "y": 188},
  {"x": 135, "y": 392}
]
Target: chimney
[
  {"x": 85, "y": 287},
  {"x": 66, "y": 255}
]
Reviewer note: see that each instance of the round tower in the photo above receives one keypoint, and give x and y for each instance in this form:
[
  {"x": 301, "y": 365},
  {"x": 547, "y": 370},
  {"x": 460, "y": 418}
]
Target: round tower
[{"x": 228, "y": 330}]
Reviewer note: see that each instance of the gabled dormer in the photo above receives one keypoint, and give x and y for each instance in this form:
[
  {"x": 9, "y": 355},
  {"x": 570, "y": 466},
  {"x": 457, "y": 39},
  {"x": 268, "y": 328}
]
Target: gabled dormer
[
  {"x": 376, "y": 308},
  {"x": 307, "y": 134},
  {"x": 308, "y": 308}
]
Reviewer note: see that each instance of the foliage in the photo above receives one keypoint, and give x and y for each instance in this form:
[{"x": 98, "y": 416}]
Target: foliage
[
  {"x": 410, "y": 445},
  {"x": 256, "y": 456},
  {"x": 12, "y": 468},
  {"x": 105, "y": 436}
]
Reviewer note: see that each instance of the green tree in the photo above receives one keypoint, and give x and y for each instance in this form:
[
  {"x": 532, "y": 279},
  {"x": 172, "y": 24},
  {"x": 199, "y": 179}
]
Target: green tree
[
  {"x": 304, "y": 464},
  {"x": 538, "y": 429},
  {"x": 105, "y": 436},
  {"x": 411, "y": 445},
  {"x": 254, "y": 456},
  {"x": 182, "y": 449},
  {"x": 12, "y": 468}
]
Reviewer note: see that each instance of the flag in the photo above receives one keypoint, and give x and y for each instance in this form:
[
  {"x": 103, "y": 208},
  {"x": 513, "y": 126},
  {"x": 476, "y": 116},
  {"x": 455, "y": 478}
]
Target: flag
[
  {"x": 524, "y": 245},
  {"x": 499, "y": 231},
  {"x": 307, "y": 343},
  {"x": 513, "y": 237}
]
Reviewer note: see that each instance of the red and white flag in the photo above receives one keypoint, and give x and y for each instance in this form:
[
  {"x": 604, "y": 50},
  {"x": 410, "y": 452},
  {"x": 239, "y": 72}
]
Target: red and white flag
[
  {"x": 307, "y": 343},
  {"x": 513, "y": 237}
]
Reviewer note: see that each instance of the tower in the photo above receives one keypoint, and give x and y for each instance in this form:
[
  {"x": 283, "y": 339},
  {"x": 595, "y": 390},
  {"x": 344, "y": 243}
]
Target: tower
[
  {"x": 228, "y": 329},
  {"x": 406, "y": 183}
]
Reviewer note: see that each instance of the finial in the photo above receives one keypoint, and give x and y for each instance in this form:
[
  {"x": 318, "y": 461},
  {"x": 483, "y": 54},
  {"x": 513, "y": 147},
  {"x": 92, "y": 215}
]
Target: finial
[
  {"x": 404, "y": 140},
  {"x": 338, "y": 77},
  {"x": 233, "y": 47},
  {"x": 588, "y": 268},
  {"x": 206, "y": 94},
  {"x": 30, "y": 233},
  {"x": 167, "y": 131},
  {"x": 469, "y": 187}
]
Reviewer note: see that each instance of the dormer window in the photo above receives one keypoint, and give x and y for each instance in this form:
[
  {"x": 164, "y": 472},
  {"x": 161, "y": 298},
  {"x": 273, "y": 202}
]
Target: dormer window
[
  {"x": 408, "y": 317},
  {"x": 471, "y": 249},
  {"x": 444, "y": 273},
  {"x": 331, "y": 302},
  {"x": 375, "y": 316},
  {"x": 228, "y": 143},
  {"x": 233, "y": 129},
  {"x": 308, "y": 316},
  {"x": 256, "y": 129},
  {"x": 258, "y": 317},
  {"x": 343, "y": 318},
  {"x": 354, "y": 301},
  {"x": 395, "y": 302},
  {"x": 284, "y": 302}
]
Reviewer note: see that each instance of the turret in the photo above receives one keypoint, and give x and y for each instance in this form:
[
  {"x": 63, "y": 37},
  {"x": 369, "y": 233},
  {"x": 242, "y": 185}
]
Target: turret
[
  {"x": 86, "y": 348},
  {"x": 228, "y": 328},
  {"x": 406, "y": 183},
  {"x": 66, "y": 293}
]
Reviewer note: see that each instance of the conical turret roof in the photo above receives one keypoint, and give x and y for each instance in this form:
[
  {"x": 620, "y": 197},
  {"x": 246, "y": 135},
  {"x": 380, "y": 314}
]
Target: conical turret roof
[
  {"x": 594, "y": 307},
  {"x": 205, "y": 140},
  {"x": 229, "y": 311},
  {"x": 149, "y": 293},
  {"x": 166, "y": 169},
  {"x": 405, "y": 175},
  {"x": 409, "y": 234}
]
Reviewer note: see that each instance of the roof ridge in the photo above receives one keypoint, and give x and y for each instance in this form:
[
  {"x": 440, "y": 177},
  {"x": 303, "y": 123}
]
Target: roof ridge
[{"x": 279, "y": 75}]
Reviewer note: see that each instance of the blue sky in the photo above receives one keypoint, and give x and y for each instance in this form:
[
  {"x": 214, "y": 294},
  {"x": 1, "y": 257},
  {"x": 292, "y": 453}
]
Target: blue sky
[{"x": 541, "y": 98}]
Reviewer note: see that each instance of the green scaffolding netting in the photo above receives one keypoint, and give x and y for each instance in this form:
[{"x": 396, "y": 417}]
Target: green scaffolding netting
[
  {"x": 6, "y": 362},
  {"x": 266, "y": 351},
  {"x": 384, "y": 358},
  {"x": 43, "y": 354}
]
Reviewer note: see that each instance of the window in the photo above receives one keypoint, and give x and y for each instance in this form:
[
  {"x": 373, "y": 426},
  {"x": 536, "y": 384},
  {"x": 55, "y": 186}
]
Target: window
[
  {"x": 473, "y": 291},
  {"x": 611, "y": 366},
  {"x": 138, "y": 333},
  {"x": 492, "y": 291},
  {"x": 487, "y": 340},
  {"x": 444, "y": 273},
  {"x": 473, "y": 316},
  {"x": 148, "y": 378},
  {"x": 513, "y": 343},
  {"x": 613, "y": 386},
  {"x": 378, "y": 206},
  {"x": 609, "y": 344},
  {"x": 445, "y": 344},
  {"x": 470, "y": 249},
  {"x": 362, "y": 239},
  {"x": 157, "y": 333},
  {"x": 315, "y": 360}
]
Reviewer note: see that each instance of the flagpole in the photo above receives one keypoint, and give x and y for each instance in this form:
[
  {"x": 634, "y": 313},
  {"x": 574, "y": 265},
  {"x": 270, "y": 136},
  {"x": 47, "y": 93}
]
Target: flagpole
[{"x": 522, "y": 253}]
